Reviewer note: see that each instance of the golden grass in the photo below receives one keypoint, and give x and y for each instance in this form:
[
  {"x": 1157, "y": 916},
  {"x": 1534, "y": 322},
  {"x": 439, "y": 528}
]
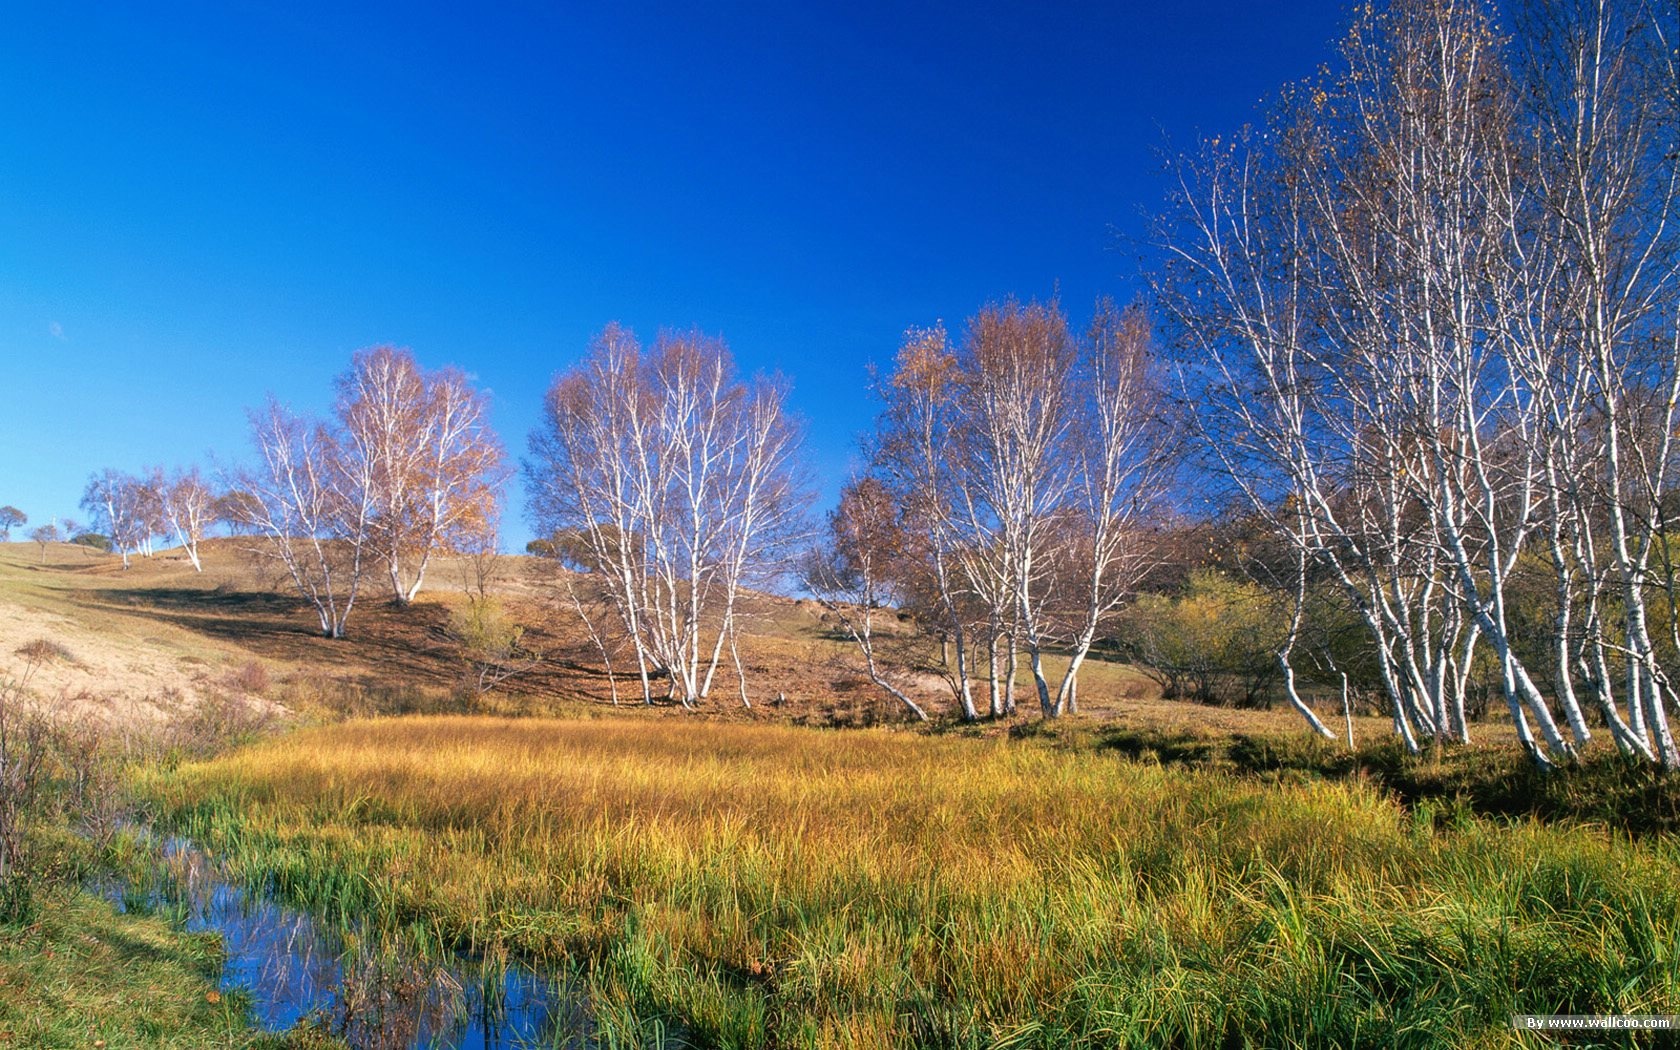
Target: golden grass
[{"x": 761, "y": 885}]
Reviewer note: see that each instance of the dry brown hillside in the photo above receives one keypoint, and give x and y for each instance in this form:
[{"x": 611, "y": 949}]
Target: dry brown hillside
[{"x": 158, "y": 639}]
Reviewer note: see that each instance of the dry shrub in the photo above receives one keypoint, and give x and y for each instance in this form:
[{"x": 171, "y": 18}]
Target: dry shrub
[
  {"x": 217, "y": 722},
  {"x": 57, "y": 770},
  {"x": 44, "y": 650},
  {"x": 91, "y": 779},
  {"x": 24, "y": 771},
  {"x": 250, "y": 677}
]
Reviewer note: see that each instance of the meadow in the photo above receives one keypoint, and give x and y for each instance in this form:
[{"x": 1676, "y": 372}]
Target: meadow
[
  {"x": 748, "y": 885},
  {"x": 806, "y": 873}
]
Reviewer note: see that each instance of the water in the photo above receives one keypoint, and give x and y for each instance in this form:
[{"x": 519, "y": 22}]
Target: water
[{"x": 294, "y": 966}]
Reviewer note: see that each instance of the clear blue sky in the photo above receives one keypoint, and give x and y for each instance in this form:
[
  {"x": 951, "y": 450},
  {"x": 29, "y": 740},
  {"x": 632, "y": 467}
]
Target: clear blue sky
[{"x": 201, "y": 203}]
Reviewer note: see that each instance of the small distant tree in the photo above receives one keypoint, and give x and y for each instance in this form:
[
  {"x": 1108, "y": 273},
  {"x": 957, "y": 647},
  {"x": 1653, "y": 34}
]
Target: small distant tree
[
  {"x": 189, "y": 507},
  {"x": 572, "y": 548},
  {"x": 116, "y": 503},
  {"x": 44, "y": 535},
  {"x": 10, "y": 518},
  {"x": 234, "y": 510}
]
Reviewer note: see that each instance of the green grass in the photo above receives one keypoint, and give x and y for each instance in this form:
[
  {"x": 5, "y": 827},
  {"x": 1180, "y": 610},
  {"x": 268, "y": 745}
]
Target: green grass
[
  {"x": 751, "y": 886},
  {"x": 83, "y": 975}
]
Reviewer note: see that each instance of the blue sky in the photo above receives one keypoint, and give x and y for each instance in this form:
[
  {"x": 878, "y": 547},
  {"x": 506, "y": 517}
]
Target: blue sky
[{"x": 204, "y": 203}]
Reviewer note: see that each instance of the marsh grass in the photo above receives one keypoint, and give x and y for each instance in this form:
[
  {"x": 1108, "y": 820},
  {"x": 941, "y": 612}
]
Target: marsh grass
[
  {"x": 740, "y": 885},
  {"x": 85, "y": 975}
]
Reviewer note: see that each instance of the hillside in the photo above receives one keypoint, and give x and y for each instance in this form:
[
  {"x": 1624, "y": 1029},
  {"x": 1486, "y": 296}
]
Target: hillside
[{"x": 159, "y": 639}]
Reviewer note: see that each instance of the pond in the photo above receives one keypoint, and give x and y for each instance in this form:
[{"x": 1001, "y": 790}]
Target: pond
[{"x": 367, "y": 990}]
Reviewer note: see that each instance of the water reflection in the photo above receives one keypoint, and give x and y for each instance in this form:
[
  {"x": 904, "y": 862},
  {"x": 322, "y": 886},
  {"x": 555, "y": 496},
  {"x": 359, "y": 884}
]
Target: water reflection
[{"x": 370, "y": 992}]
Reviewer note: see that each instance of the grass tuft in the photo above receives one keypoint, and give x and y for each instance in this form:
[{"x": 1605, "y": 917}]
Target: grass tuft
[{"x": 44, "y": 650}]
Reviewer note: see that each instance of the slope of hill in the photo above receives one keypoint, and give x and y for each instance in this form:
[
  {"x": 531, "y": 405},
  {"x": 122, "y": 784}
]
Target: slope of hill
[{"x": 142, "y": 644}]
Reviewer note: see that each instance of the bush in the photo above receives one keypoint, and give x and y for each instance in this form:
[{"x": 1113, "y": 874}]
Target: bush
[
  {"x": 250, "y": 677},
  {"x": 93, "y": 539},
  {"x": 1215, "y": 642},
  {"x": 491, "y": 643},
  {"x": 44, "y": 650},
  {"x": 55, "y": 773}
]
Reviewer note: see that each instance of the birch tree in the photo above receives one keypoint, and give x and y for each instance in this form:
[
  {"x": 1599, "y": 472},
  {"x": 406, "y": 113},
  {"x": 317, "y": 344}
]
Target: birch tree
[
  {"x": 915, "y": 448},
  {"x": 311, "y": 501},
  {"x": 188, "y": 509},
  {"x": 1029, "y": 457},
  {"x": 1397, "y": 304},
  {"x": 682, "y": 481},
  {"x": 146, "y": 494},
  {"x": 1604, "y": 356},
  {"x": 1060, "y": 460},
  {"x": 435, "y": 462},
  {"x": 112, "y": 500},
  {"x": 1319, "y": 302},
  {"x": 852, "y": 574}
]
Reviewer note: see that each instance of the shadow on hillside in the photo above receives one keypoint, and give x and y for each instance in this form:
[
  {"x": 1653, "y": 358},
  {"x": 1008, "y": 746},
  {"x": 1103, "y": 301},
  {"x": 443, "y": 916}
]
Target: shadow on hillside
[
  {"x": 276, "y": 626},
  {"x": 205, "y": 602}
]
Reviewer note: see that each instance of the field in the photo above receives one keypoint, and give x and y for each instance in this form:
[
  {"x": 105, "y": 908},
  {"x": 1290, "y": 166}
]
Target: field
[
  {"x": 765, "y": 886},
  {"x": 816, "y": 872}
]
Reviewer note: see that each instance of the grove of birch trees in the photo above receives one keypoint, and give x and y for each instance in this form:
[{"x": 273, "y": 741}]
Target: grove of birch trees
[
  {"x": 132, "y": 511},
  {"x": 1427, "y": 315},
  {"x": 1011, "y": 477},
  {"x": 677, "y": 483},
  {"x": 408, "y": 465}
]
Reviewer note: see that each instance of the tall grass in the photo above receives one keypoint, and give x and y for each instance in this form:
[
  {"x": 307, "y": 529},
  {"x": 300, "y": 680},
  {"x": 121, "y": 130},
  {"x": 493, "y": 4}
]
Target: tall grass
[{"x": 753, "y": 886}]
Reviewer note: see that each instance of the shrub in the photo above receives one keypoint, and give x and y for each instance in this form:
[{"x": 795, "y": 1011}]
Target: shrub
[
  {"x": 44, "y": 650},
  {"x": 491, "y": 642},
  {"x": 249, "y": 677}
]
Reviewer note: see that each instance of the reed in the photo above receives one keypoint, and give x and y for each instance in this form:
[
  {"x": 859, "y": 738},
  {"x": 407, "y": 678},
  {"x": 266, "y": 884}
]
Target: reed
[{"x": 745, "y": 885}]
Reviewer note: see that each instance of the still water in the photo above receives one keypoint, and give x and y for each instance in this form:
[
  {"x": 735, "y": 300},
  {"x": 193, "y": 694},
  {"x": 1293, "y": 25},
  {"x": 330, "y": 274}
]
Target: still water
[{"x": 294, "y": 966}]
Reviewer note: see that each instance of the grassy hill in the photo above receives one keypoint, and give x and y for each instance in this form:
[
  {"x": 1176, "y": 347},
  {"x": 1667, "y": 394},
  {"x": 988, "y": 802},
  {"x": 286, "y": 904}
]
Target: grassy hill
[{"x": 159, "y": 638}]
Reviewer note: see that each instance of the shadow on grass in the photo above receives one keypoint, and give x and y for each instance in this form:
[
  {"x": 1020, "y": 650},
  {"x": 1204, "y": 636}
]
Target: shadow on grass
[
  {"x": 194, "y": 953},
  {"x": 1604, "y": 787},
  {"x": 284, "y": 627}
]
